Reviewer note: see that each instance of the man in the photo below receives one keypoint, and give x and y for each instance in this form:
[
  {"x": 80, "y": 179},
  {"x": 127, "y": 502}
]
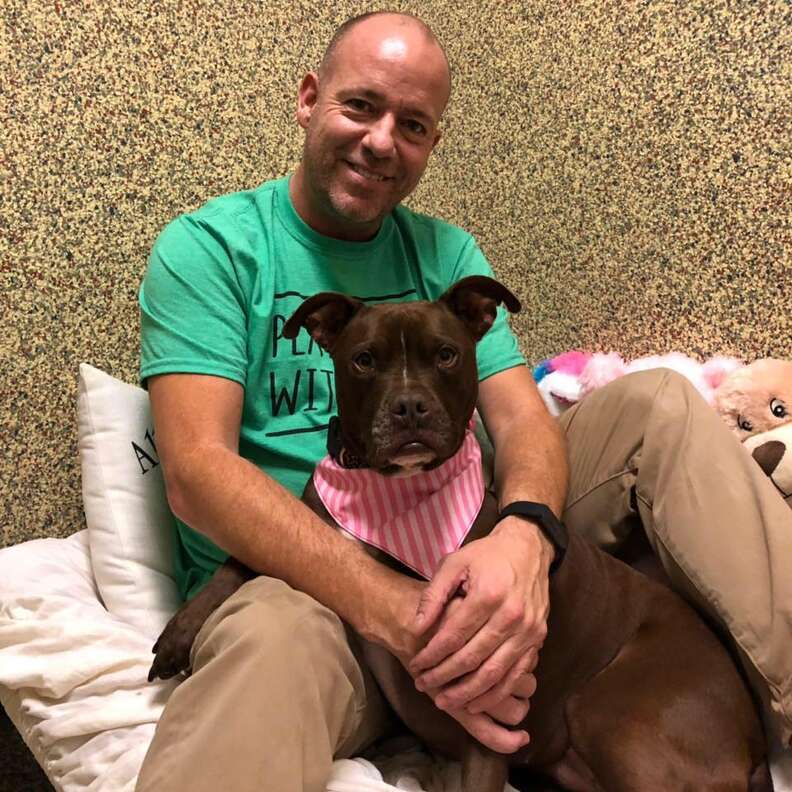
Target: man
[{"x": 277, "y": 688}]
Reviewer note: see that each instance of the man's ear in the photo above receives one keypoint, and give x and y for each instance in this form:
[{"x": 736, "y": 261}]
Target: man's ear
[
  {"x": 307, "y": 98},
  {"x": 475, "y": 301},
  {"x": 324, "y": 316}
]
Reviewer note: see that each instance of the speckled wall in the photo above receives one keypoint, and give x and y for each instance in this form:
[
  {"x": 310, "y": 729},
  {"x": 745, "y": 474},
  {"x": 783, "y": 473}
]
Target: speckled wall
[{"x": 625, "y": 165}]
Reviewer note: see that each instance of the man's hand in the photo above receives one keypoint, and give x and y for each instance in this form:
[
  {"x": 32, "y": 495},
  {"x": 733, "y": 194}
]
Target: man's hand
[
  {"x": 488, "y": 722},
  {"x": 489, "y": 725},
  {"x": 489, "y": 637}
]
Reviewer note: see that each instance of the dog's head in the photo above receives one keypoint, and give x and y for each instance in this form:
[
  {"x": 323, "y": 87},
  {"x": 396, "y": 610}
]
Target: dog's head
[{"x": 405, "y": 373}]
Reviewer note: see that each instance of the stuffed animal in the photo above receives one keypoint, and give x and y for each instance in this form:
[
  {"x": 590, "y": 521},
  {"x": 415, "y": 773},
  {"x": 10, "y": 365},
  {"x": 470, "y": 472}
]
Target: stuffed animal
[
  {"x": 756, "y": 397},
  {"x": 773, "y": 452},
  {"x": 567, "y": 378},
  {"x": 558, "y": 380}
]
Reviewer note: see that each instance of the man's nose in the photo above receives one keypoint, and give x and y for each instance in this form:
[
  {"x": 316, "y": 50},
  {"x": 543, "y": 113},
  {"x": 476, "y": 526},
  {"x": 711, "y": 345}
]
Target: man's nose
[{"x": 379, "y": 139}]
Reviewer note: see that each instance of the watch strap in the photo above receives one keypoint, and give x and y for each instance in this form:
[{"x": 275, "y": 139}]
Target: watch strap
[{"x": 553, "y": 529}]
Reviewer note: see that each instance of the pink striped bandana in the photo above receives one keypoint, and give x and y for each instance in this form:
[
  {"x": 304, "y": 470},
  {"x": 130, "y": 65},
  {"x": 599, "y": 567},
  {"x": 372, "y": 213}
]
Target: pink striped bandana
[{"x": 417, "y": 519}]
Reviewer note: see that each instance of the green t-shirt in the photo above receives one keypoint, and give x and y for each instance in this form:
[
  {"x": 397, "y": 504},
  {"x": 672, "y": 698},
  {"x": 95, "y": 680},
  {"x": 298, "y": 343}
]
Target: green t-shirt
[{"x": 221, "y": 283}]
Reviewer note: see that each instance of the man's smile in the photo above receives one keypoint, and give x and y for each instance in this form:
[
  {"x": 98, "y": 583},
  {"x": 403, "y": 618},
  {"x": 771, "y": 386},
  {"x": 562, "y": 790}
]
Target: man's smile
[{"x": 367, "y": 174}]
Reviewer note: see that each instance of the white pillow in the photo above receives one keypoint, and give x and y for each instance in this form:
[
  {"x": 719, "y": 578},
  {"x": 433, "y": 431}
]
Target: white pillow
[{"x": 130, "y": 527}]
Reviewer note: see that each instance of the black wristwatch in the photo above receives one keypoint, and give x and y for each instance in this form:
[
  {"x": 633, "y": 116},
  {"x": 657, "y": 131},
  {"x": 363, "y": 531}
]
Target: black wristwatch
[{"x": 551, "y": 526}]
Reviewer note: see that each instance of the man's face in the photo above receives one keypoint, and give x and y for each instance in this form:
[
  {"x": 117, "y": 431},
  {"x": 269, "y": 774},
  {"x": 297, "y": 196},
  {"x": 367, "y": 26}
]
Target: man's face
[{"x": 371, "y": 123}]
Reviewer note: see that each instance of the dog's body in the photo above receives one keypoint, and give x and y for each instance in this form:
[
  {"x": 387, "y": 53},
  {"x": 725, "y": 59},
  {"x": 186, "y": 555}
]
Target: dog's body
[{"x": 634, "y": 692}]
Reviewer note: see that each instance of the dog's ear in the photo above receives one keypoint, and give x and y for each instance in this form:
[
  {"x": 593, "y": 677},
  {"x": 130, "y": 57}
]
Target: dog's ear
[
  {"x": 324, "y": 316},
  {"x": 475, "y": 301}
]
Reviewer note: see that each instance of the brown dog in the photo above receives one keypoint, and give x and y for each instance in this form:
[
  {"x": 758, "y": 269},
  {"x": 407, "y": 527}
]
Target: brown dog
[{"x": 634, "y": 691}]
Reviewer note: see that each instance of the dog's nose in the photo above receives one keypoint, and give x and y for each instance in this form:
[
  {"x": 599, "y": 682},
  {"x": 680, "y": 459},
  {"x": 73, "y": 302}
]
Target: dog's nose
[{"x": 409, "y": 407}]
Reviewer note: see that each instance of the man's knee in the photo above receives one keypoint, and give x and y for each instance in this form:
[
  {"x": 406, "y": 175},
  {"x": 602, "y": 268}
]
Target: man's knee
[
  {"x": 267, "y": 622},
  {"x": 288, "y": 649},
  {"x": 269, "y": 661},
  {"x": 644, "y": 388},
  {"x": 637, "y": 395}
]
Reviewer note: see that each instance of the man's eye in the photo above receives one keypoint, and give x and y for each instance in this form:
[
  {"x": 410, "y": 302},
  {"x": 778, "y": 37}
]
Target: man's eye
[
  {"x": 744, "y": 424},
  {"x": 416, "y": 127},
  {"x": 447, "y": 355},
  {"x": 778, "y": 408},
  {"x": 364, "y": 361},
  {"x": 361, "y": 105}
]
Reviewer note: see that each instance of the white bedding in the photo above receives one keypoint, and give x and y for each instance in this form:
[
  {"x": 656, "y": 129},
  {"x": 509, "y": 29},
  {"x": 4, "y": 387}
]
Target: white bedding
[{"x": 73, "y": 681}]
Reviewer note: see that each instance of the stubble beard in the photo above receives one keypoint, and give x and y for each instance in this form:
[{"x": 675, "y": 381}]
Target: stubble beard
[
  {"x": 326, "y": 176},
  {"x": 348, "y": 206}
]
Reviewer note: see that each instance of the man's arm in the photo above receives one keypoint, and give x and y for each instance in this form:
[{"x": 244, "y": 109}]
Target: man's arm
[{"x": 491, "y": 637}]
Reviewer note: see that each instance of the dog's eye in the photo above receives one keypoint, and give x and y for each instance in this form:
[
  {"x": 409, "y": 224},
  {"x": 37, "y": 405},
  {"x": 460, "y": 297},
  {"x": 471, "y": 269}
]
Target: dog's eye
[
  {"x": 744, "y": 424},
  {"x": 364, "y": 361},
  {"x": 778, "y": 408},
  {"x": 447, "y": 355}
]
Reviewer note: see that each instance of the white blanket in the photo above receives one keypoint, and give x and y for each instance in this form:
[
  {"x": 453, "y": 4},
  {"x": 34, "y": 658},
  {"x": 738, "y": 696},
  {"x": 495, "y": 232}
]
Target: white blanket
[{"x": 73, "y": 681}]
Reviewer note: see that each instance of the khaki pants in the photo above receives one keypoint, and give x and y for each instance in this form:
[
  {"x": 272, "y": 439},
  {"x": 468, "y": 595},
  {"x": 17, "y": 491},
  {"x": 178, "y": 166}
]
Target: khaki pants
[{"x": 276, "y": 691}]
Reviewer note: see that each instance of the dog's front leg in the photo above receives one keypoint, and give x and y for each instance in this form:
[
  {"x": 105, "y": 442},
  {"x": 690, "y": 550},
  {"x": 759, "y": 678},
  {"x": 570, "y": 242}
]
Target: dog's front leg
[
  {"x": 172, "y": 649},
  {"x": 482, "y": 770}
]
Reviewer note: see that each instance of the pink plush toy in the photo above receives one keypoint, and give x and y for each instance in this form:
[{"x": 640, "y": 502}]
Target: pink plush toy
[
  {"x": 567, "y": 378},
  {"x": 706, "y": 377},
  {"x": 757, "y": 397}
]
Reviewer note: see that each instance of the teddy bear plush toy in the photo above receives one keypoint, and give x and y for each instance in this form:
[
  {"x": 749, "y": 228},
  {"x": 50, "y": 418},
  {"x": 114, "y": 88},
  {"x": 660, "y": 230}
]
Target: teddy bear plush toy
[{"x": 756, "y": 403}]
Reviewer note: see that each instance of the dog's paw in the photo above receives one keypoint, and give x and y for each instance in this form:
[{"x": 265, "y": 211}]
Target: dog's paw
[{"x": 172, "y": 649}]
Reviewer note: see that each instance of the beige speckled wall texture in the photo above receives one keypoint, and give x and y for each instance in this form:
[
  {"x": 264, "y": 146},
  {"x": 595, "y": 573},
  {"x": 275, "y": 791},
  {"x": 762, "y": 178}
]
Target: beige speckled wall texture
[{"x": 625, "y": 165}]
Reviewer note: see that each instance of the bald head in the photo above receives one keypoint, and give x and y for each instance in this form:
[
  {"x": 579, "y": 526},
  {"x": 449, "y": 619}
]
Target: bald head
[{"x": 381, "y": 24}]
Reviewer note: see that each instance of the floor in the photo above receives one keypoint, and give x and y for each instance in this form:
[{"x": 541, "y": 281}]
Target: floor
[{"x": 19, "y": 771}]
